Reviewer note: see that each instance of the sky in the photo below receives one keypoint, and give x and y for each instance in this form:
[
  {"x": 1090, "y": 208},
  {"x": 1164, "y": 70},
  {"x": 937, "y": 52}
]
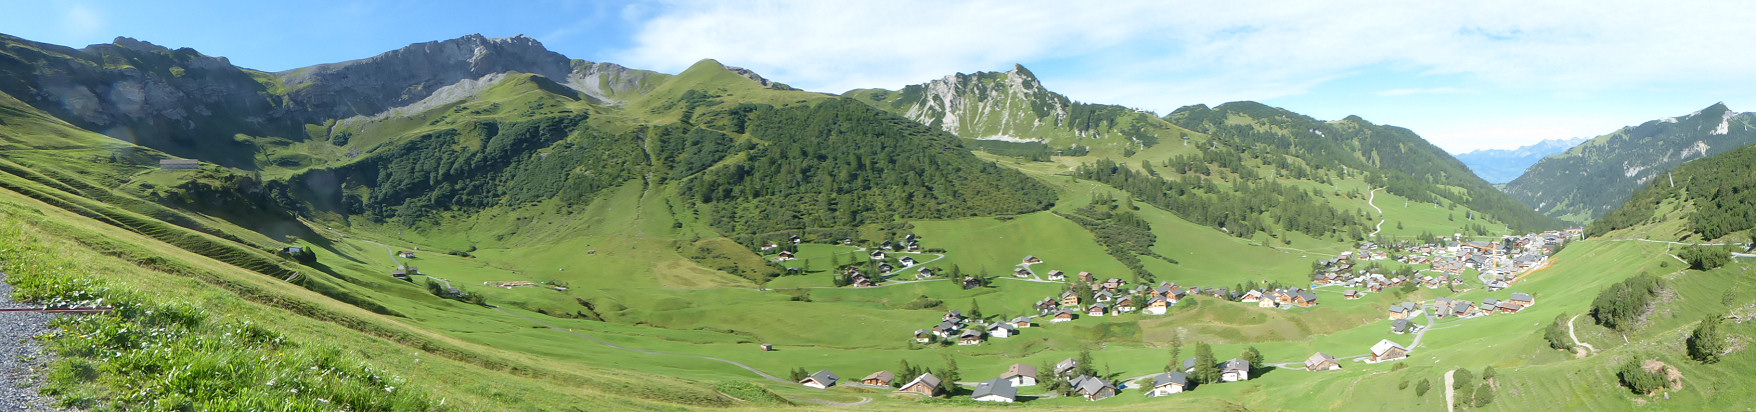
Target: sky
[{"x": 1465, "y": 75}]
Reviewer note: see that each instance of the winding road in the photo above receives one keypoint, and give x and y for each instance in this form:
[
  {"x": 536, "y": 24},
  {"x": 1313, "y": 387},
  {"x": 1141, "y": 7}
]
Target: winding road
[
  {"x": 1370, "y": 197},
  {"x": 1575, "y": 337}
]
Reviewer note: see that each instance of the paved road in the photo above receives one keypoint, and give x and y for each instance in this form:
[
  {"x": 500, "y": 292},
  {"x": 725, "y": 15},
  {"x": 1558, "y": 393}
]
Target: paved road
[
  {"x": 1576, "y": 341},
  {"x": 1369, "y": 198},
  {"x": 1734, "y": 254},
  {"x": 1423, "y": 332}
]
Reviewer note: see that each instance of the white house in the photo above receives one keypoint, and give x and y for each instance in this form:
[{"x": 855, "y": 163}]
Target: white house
[
  {"x": 823, "y": 379},
  {"x": 1168, "y": 383},
  {"x": 1020, "y": 375}
]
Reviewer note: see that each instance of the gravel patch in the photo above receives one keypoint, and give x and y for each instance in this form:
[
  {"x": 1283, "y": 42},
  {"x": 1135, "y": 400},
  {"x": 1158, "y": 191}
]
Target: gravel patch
[{"x": 22, "y": 362}]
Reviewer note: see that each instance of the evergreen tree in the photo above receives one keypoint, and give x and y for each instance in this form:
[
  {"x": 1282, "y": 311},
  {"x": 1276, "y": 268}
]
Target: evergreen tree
[
  {"x": 1085, "y": 366},
  {"x": 1254, "y": 356},
  {"x": 1708, "y": 340},
  {"x": 1176, "y": 363},
  {"x": 950, "y": 371},
  {"x": 1206, "y": 366},
  {"x": 975, "y": 309},
  {"x": 799, "y": 374}
]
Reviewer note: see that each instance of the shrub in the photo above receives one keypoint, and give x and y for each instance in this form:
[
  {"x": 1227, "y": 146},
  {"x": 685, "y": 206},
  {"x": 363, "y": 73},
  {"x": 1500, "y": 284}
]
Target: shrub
[
  {"x": 1708, "y": 340},
  {"x": 1705, "y": 257},
  {"x": 1638, "y": 379},
  {"x": 1484, "y": 395},
  {"x": 1422, "y": 388}
]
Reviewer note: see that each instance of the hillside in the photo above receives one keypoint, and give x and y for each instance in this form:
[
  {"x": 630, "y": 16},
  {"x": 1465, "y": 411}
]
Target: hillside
[
  {"x": 1384, "y": 156},
  {"x": 1703, "y": 200},
  {"x": 512, "y": 233},
  {"x": 1498, "y": 166},
  {"x": 1589, "y": 180}
]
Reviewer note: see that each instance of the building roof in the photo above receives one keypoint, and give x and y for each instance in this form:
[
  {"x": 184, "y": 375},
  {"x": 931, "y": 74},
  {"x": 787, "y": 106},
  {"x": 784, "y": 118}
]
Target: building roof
[
  {"x": 1004, "y": 325},
  {"x": 1236, "y": 364},
  {"x": 881, "y": 375},
  {"x": 1066, "y": 365},
  {"x": 971, "y": 333},
  {"x": 1019, "y": 369},
  {"x": 825, "y": 377},
  {"x": 925, "y": 378},
  {"x": 995, "y": 387},
  {"x": 1089, "y": 384},
  {"x": 1170, "y": 378},
  {"x": 1319, "y": 358},
  {"x": 1401, "y": 325},
  {"x": 1522, "y": 296},
  {"x": 1385, "y": 345}
]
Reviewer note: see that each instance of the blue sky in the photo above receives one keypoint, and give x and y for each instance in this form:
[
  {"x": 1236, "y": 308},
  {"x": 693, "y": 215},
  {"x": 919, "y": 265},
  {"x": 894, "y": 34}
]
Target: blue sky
[{"x": 1465, "y": 75}]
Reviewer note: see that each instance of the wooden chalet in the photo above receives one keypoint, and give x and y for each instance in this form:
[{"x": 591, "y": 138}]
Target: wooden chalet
[
  {"x": 926, "y": 384},
  {"x": 1321, "y": 362},
  {"x": 1093, "y": 388},
  {"x": 1385, "y": 351},
  {"x": 879, "y": 378}
]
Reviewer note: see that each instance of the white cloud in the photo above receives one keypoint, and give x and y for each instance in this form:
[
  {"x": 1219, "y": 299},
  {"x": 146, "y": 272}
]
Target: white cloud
[
  {"x": 81, "y": 21},
  {"x": 1164, "y": 54}
]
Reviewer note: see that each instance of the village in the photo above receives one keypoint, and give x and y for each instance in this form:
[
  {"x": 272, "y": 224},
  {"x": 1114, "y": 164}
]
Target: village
[
  {"x": 1441, "y": 263},
  {"x": 1353, "y": 274}
]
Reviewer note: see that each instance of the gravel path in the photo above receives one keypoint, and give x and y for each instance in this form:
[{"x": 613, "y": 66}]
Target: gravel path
[{"x": 20, "y": 357}]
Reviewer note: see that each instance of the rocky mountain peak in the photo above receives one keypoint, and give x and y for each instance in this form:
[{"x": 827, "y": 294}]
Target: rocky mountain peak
[
  {"x": 407, "y": 75},
  {"x": 138, "y": 45}
]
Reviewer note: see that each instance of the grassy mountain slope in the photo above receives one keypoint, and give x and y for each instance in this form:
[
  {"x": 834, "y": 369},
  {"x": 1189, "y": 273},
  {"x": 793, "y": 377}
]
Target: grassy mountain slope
[
  {"x": 635, "y": 223},
  {"x": 1387, "y": 156},
  {"x": 1705, "y": 200},
  {"x": 1593, "y": 178}
]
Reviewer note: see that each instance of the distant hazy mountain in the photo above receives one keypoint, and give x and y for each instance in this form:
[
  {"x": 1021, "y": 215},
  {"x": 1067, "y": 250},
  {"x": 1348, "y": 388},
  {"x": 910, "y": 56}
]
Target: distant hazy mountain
[{"x": 1499, "y": 166}]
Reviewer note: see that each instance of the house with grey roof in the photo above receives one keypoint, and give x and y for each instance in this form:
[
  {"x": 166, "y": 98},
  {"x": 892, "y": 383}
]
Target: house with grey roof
[
  {"x": 995, "y": 390},
  {"x": 1093, "y": 388},
  {"x": 1235, "y": 370},
  {"x": 1168, "y": 383},
  {"x": 1066, "y": 367},
  {"x": 823, "y": 379}
]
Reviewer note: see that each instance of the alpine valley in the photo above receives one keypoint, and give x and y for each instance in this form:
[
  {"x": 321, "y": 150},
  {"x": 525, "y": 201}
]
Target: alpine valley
[{"x": 484, "y": 224}]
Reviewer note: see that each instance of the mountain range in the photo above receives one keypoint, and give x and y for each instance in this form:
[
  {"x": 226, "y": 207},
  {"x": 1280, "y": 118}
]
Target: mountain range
[
  {"x": 1499, "y": 166},
  {"x": 483, "y": 224},
  {"x": 1591, "y": 179}
]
